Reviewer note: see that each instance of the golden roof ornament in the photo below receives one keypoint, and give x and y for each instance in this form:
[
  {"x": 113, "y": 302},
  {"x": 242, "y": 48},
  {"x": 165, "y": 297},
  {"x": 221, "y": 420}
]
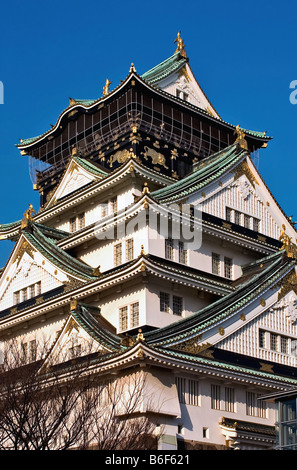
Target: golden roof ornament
[
  {"x": 28, "y": 215},
  {"x": 132, "y": 68},
  {"x": 180, "y": 45},
  {"x": 288, "y": 245},
  {"x": 106, "y": 87},
  {"x": 240, "y": 137}
]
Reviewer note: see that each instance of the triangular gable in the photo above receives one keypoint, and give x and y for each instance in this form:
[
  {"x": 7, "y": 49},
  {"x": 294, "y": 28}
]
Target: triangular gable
[
  {"x": 27, "y": 267},
  {"x": 78, "y": 173},
  {"x": 242, "y": 190}
]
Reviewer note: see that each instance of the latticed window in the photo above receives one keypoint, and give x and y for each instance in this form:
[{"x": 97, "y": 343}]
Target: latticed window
[
  {"x": 114, "y": 205},
  {"x": 81, "y": 221},
  {"x": 72, "y": 224},
  {"x": 123, "y": 318},
  {"x": 228, "y": 267},
  {"x": 164, "y": 302},
  {"x": 129, "y": 249},
  {"x": 273, "y": 341},
  {"x": 117, "y": 254},
  {"x": 256, "y": 225},
  {"x": 284, "y": 344},
  {"x": 228, "y": 214},
  {"x": 262, "y": 339},
  {"x": 215, "y": 263},
  {"x": 182, "y": 253},
  {"x": 177, "y": 305},
  {"x": 246, "y": 221},
  {"x": 169, "y": 248},
  {"x": 237, "y": 217},
  {"x": 134, "y": 314}
]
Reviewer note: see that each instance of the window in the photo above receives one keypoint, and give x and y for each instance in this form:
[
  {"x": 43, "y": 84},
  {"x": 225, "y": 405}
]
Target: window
[
  {"x": 169, "y": 248},
  {"x": 228, "y": 267},
  {"x": 255, "y": 407},
  {"x": 129, "y": 249},
  {"x": 284, "y": 345},
  {"x": 117, "y": 254},
  {"x": 181, "y": 388},
  {"x": 38, "y": 288},
  {"x": 246, "y": 219},
  {"x": 104, "y": 209},
  {"x": 123, "y": 318},
  {"x": 114, "y": 205},
  {"x": 177, "y": 306},
  {"x": 72, "y": 224},
  {"x": 129, "y": 316},
  {"x": 237, "y": 217},
  {"x": 193, "y": 392},
  {"x": 215, "y": 397},
  {"x": 256, "y": 224},
  {"x": 134, "y": 315},
  {"x": 16, "y": 297},
  {"x": 27, "y": 293},
  {"x": 81, "y": 221},
  {"x": 262, "y": 339},
  {"x": 273, "y": 341},
  {"x": 228, "y": 214},
  {"x": 215, "y": 263},
  {"x": 164, "y": 302},
  {"x": 229, "y": 399},
  {"x": 182, "y": 253}
]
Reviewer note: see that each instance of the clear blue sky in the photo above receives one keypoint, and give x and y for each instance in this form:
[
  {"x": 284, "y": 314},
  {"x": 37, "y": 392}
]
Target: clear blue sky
[{"x": 243, "y": 55}]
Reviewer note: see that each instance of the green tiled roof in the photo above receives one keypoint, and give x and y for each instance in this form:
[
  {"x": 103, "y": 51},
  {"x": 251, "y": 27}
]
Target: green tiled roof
[
  {"x": 208, "y": 170},
  {"x": 165, "y": 68},
  {"x": 89, "y": 166},
  {"x": 224, "y": 307},
  {"x": 89, "y": 318},
  {"x": 56, "y": 255}
]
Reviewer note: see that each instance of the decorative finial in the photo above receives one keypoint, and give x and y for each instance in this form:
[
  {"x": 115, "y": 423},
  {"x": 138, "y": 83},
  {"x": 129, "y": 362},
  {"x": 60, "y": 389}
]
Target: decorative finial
[
  {"x": 140, "y": 336},
  {"x": 142, "y": 252},
  {"x": 106, "y": 87},
  {"x": 288, "y": 245},
  {"x": 28, "y": 215},
  {"x": 240, "y": 137},
  {"x": 96, "y": 271},
  {"x": 180, "y": 45},
  {"x": 71, "y": 101},
  {"x": 132, "y": 68},
  {"x": 145, "y": 189}
]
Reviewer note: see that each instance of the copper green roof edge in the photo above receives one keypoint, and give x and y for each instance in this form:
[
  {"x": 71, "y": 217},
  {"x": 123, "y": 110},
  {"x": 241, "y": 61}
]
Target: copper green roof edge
[
  {"x": 165, "y": 68},
  {"x": 106, "y": 338},
  {"x": 223, "y": 365},
  {"x": 249, "y": 426},
  {"x": 57, "y": 256},
  {"x": 220, "y": 309},
  {"x": 4, "y": 227},
  {"x": 89, "y": 166},
  {"x": 220, "y": 163}
]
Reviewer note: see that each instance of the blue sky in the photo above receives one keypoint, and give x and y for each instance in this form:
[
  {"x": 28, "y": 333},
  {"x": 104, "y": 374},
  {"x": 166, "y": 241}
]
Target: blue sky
[{"x": 243, "y": 55}]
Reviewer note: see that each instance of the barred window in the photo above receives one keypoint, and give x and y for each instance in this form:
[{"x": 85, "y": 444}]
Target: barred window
[
  {"x": 262, "y": 339},
  {"x": 164, "y": 302},
  {"x": 256, "y": 225},
  {"x": 169, "y": 248},
  {"x": 237, "y": 217},
  {"x": 134, "y": 314},
  {"x": 123, "y": 318},
  {"x": 81, "y": 221},
  {"x": 129, "y": 249},
  {"x": 228, "y": 214},
  {"x": 255, "y": 407},
  {"x": 228, "y": 267},
  {"x": 229, "y": 399},
  {"x": 215, "y": 263},
  {"x": 38, "y": 288},
  {"x": 177, "y": 306},
  {"x": 181, "y": 388},
  {"x": 193, "y": 393},
  {"x": 247, "y": 221},
  {"x": 284, "y": 344},
  {"x": 114, "y": 205},
  {"x": 72, "y": 224},
  {"x": 117, "y": 254},
  {"x": 215, "y": 397},
  {"x": 16, "y": 297},
  {"x": 273, "y": 341},
  {"x": 182, "y": 253}
]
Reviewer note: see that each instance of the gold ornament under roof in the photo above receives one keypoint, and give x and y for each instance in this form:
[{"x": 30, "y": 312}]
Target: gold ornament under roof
[{"x": 180, "y": 45}]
